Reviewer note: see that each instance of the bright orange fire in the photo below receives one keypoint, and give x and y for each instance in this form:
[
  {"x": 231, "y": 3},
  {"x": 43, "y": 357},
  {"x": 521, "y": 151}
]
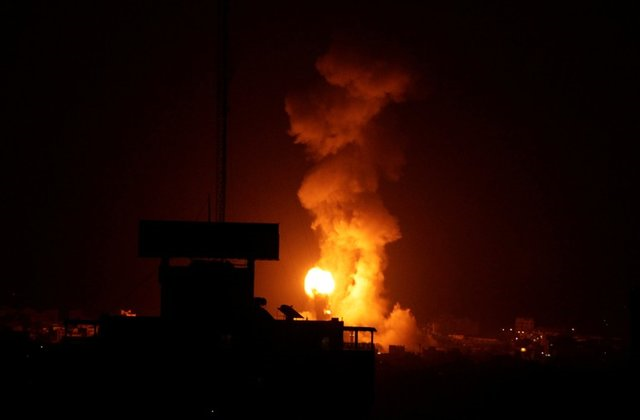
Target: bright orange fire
[
  {"x": 334, "y": 121},
  {"x": 318, "y": 282}
]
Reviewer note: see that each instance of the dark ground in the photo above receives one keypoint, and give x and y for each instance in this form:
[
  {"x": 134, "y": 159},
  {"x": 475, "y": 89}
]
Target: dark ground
[
  {"x": 502, "y": 388},
  {"x": 81, "y": 383}
]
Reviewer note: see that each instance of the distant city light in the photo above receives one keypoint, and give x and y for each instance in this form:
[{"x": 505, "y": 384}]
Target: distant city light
[
  {"x": 523, "y": 349},
  {"x": 127, "y": 312}
]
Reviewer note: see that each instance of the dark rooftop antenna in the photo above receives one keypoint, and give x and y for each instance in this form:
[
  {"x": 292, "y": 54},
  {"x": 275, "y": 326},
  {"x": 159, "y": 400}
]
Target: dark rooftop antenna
[
  {"x": 289, "y": 313},
  {"x": 222, "y": 108}
]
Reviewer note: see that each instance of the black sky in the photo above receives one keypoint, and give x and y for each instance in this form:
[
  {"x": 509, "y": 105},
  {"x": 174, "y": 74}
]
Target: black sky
[{"x": 515, "y": 198}]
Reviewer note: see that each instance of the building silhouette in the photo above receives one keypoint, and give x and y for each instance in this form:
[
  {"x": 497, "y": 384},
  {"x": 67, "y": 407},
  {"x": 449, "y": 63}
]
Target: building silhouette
[{"x": 214, "y": 351}]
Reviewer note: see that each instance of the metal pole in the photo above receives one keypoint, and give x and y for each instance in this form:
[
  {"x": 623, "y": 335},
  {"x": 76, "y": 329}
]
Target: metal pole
[{"x": 223, "y": 108}]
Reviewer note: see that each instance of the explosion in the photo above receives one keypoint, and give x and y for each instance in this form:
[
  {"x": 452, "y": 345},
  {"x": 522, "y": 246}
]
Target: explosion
[
  {"x": 334, "y": 122},
  {"x": 318, "y": 282}
]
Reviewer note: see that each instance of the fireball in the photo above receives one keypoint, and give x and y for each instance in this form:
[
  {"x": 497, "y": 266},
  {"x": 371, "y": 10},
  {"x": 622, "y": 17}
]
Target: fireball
[{"x": 318, "y": 282}]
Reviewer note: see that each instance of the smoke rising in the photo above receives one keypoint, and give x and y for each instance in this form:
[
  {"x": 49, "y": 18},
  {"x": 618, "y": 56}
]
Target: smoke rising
[{"x": 333, "y": 120}]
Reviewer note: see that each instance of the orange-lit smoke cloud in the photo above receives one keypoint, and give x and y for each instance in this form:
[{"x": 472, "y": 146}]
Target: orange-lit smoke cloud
[{"x": 334, "y": 122}]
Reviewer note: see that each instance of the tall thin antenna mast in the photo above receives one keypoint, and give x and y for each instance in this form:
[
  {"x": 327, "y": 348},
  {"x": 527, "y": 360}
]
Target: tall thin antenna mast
[{"x": 222, "y": 108}]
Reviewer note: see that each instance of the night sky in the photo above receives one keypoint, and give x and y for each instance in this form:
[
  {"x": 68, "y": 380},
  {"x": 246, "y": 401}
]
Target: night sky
[{"x": 514, "y": 198}]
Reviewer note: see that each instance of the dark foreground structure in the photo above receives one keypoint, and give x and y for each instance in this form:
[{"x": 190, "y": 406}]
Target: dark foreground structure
[{"x": 214, "y": 351}]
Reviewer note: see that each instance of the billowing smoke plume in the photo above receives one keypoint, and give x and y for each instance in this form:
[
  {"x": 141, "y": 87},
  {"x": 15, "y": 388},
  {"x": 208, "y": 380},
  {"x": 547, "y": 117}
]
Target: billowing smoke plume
[{"x": 334, "y": 122}]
